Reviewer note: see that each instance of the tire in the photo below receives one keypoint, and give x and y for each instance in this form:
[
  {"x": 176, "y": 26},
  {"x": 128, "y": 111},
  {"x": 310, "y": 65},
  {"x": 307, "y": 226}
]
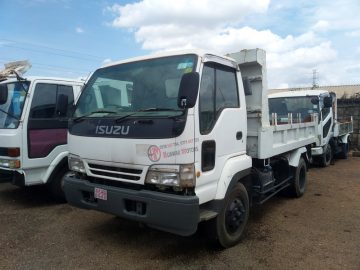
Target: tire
[
  {"x": 326, "y": 156},
  {"x": 344, "y": 154},
  {"x": 56, "y": 185},
  {"x": 299, "y": 182},
  {"x": 228, "y": 227}
]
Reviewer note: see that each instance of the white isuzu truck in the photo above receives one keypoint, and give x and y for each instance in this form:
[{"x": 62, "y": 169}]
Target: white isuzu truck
[
  {"x": 185, "y": 145},
  {"x": 333, "y": 134},
  {"x": 33, "y": 130}
]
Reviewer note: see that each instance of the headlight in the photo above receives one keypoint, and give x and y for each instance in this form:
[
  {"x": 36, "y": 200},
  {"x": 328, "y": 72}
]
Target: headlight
[
  {"x": 172, "y": 175},
  {"x": 10, "y": 163},
  {"x": 76, "y": 164}
]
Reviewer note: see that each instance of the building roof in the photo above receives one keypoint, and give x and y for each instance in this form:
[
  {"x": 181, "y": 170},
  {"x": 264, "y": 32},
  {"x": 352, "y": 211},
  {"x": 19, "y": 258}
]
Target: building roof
[
  {"x": 298, "y": 93},
  {"x": 341, "y": 91}
]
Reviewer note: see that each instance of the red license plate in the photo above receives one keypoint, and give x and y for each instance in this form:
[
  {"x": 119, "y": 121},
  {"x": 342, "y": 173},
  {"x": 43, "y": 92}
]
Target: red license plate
[{"x": 100, "y": 193}]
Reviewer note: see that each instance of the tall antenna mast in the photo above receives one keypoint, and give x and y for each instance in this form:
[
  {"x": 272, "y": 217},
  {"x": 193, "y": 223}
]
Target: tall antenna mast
[{"x": 314, "y": 79}]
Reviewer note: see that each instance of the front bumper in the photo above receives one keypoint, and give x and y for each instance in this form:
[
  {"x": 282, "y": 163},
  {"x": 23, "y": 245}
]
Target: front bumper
[
  {"x": 12, "y": 176},
  {"x": 172, "y": 213},
  {"x": 317, "y": 151}
]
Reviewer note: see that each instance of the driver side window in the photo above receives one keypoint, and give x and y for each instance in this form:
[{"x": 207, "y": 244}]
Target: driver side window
[
  {"x": 325, "y": 112},
  {"x": 218, "y": 91}
]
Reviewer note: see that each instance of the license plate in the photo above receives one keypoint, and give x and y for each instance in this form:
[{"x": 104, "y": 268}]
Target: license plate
[{"x": 100, "y": 193}]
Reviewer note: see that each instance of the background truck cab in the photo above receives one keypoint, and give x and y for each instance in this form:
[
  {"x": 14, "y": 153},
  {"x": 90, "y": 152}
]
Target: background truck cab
[
  {"x": 332, "y": 133},
  {"x": 33, "y": 130}
]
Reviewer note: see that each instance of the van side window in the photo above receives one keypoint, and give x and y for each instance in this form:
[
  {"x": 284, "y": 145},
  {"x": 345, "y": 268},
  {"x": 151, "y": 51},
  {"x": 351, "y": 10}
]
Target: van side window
[
  {"x": 218, "y": 91},
  {"x": 226, "y": 89},
  {"x": 43, "y": 104},
  {"x": 67, "y": 91},
  {"x": 206, "y": 100},
  {"x": 325, "y": 112}
]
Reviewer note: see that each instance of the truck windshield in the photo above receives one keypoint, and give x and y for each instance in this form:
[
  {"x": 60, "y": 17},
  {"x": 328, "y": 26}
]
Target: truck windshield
[
  {"x": 11, "y": 110},
  {"x": 295, "y": 105},
  {"x": 142, "y": 88}
]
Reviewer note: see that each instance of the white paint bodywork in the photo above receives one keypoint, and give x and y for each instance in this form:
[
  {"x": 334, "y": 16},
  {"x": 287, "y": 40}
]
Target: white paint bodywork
[
  {"x": 264, "y": 140},
  {"x": 260, "y": 140},
  {"x": 35, "y": 170},
  {"x": 338, "y": 129}
]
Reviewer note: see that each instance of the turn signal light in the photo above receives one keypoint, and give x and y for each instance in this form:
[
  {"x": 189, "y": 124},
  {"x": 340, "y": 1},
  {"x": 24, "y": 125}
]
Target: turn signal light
[{"x": 14, "y": 152}]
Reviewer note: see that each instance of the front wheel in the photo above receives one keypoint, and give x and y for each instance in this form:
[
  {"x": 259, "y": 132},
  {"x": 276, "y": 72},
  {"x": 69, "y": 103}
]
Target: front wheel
[
  {"x": 344, "y": 154},
  {"x": 56, "y": 185},
  {"x": 326, "y": 156},
  {"x": 229, "y": 225}
]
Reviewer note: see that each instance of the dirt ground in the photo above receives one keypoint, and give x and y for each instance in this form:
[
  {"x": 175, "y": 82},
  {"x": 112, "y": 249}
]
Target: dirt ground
[{"x": 321, "y": 230}]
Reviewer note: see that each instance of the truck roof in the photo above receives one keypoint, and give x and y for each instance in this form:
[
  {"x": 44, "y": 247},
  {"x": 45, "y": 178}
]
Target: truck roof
[
  {"x": 31, "y": 78},
  {"x": 300, "y": 93},
  {"x": 198, "y": 52}
]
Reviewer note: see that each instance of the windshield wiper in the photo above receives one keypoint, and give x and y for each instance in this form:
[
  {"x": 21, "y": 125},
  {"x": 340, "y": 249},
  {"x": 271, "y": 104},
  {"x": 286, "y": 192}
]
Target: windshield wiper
[
  {"x": 159, "y": 109},
  {"x": 78, "y": 119},
  {"x": 117, "y": 120},
  {"x": 9, "y": 114}
]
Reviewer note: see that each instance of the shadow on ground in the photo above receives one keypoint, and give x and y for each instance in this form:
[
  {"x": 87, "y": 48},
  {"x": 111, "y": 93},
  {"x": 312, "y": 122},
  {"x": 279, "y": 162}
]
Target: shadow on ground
[{"x": 34, "y": 196}]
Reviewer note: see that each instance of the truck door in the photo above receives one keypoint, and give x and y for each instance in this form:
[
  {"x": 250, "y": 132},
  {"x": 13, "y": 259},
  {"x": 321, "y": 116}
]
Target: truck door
[
  {"x": 46, "y": 128},
  {"x": 220, "y": 128},
  {"x": 327, "y": 122}
]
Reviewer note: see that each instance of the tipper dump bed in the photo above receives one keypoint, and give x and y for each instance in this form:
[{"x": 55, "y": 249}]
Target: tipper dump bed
[{"x": 266, "y": 137}]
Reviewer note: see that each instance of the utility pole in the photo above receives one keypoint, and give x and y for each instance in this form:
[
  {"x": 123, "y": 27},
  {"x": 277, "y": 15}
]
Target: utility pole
[{"x": 314, "y": 79}]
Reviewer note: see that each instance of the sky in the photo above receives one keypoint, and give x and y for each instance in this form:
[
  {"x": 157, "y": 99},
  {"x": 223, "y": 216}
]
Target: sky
[{"x": 72, "y": 38}]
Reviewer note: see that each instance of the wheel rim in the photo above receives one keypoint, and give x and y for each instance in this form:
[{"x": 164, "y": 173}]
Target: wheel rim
[{"x": 235, "y": 215}]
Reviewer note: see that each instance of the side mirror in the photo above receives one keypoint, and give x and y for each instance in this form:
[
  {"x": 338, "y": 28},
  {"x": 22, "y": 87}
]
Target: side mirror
[
  {"x": 247, "y": 86},
  {"x": 3, "y": 93},
  {"x": 315, "y": 100},
  {"x": 188, "y": 90},
  {"x": 327, "y": 102},
  {"x": 62, "y": 105}
]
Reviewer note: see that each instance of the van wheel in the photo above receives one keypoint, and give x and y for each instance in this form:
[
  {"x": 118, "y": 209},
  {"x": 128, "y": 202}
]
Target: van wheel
[
  {"x": 299, "y": 182},
  {"x": 344, "y": 154},
  {"x": 228, "y": 226},
  {"x": 326, "y": 156},
  {"x": 56, "y": 185}
]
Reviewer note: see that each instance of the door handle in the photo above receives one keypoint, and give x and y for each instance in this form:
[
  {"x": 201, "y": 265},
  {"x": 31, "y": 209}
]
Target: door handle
[{"x": 239, "y": 135}]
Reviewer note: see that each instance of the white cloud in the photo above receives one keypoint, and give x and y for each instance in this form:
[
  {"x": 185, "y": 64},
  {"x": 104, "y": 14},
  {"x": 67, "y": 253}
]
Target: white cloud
[
  {"x": 106, "y": 61},
  {"x": 343, "y": 16},
  {"x": 321, "y": 25},
  {"x": 220, "y": 26},
  {"x": 355, "y": 33},
  {"x": 79, "y": 30},
  {"x": 203, "y": 13}
]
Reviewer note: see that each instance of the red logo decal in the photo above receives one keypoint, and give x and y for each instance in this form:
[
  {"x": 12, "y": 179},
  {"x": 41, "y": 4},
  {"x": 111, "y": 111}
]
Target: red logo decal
[{"x": 154, "y": 153}]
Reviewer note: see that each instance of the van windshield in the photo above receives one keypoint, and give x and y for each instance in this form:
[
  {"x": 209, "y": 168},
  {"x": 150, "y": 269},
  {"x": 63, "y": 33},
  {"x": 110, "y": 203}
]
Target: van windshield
[
  {"x": 142, "y": 88},
  {"x": 11, "y": 110}
]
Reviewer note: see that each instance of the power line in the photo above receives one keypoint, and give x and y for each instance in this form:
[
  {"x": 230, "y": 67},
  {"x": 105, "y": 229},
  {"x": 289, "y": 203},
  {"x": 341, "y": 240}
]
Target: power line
[
  {"x": 58, "y": 54},
  {"x": 54, "y": 67},
  {"x": 53, "y": 48}
]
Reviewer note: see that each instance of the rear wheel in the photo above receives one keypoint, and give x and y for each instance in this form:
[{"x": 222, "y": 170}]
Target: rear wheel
[
  {"x": 229, "y": 225},
  {"x": 299, "y": 182}
]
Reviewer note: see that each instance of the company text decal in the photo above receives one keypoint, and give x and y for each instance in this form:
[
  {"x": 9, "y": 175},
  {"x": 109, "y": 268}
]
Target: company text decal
[{"x": 165, "y": 151}]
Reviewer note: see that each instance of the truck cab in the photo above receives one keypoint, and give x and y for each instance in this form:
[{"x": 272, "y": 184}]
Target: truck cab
[
  {"x": 185, "y": 145},
  {"x": 33, "y": 130}
]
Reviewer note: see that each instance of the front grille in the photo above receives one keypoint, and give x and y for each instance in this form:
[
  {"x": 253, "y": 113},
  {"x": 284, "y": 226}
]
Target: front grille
[{"x": 119, "y": 173}]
